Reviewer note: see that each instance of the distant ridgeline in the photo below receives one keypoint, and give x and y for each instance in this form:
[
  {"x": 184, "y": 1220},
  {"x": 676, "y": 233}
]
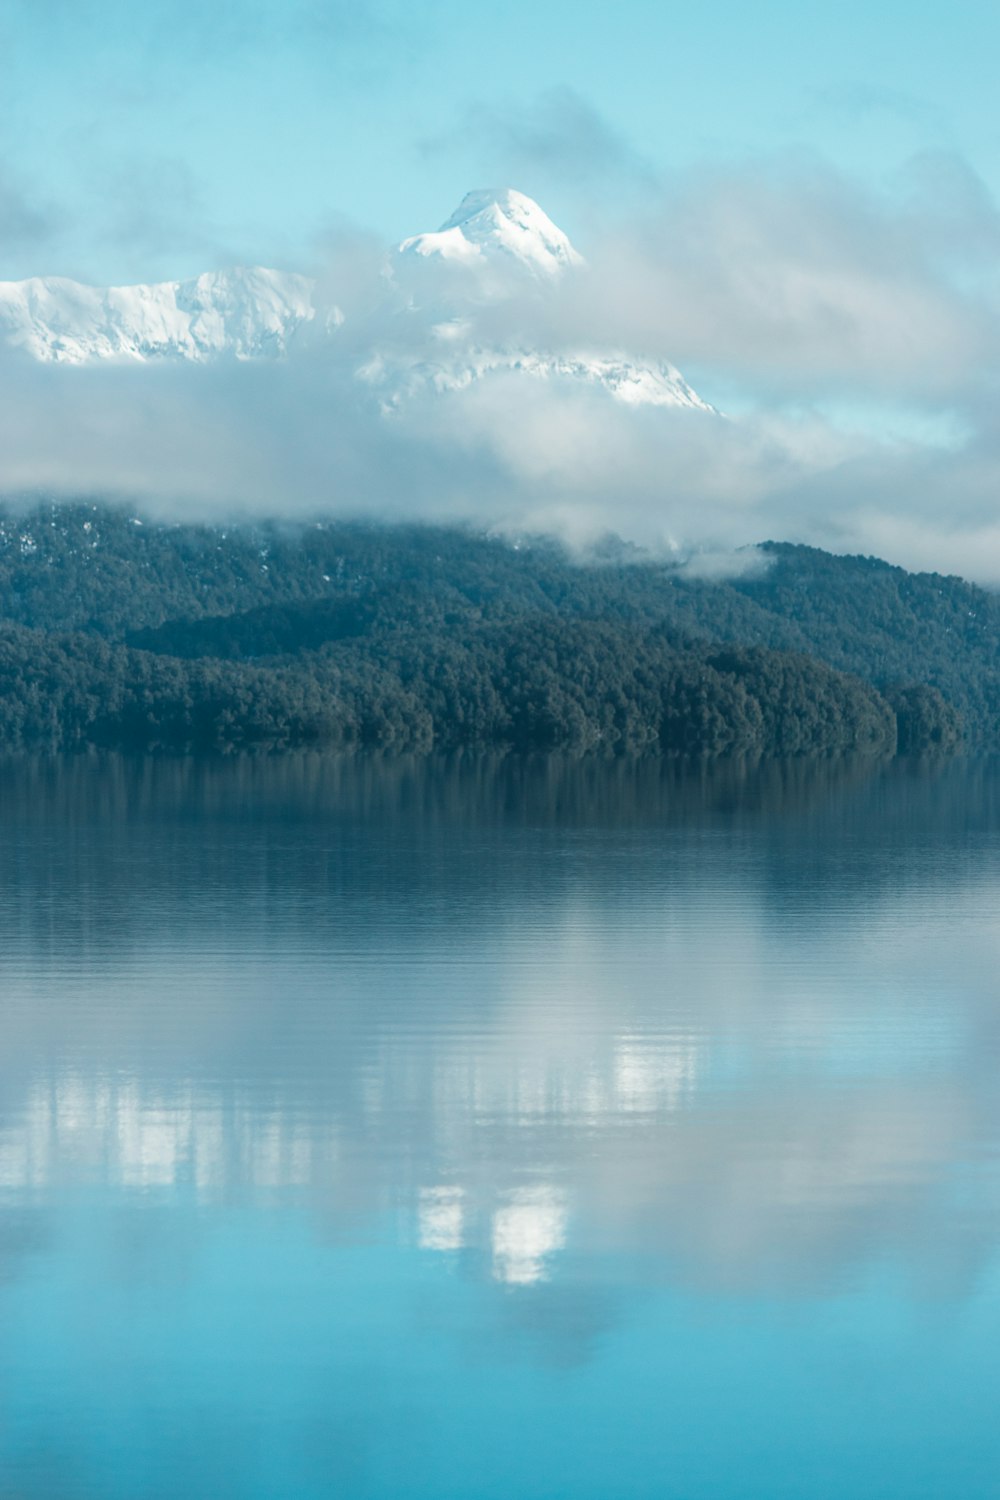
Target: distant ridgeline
[{"x": 121, "y": 633}]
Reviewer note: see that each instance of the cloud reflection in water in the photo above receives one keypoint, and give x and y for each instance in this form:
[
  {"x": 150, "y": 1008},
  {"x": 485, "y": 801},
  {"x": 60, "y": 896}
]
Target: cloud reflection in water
[{"x": 758, "y": 1050}]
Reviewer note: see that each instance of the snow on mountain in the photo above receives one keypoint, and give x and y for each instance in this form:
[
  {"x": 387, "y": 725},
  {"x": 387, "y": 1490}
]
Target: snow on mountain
[
  {"x": 506, "y": 223},
  {"x": 421, "y": 346},
  {"x": 633, "y": 382},
  {"x": 248, "y": 314},
  {"x": 506, "y": 231}
]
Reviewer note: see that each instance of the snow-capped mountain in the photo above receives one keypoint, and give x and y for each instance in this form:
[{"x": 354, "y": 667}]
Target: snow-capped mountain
[
  {"x": 247, "y": 314},
  {"x": 502, "y": 223},
  {"x": 513, "y": 246},
  {"x": 426, "y": 338},
  {"x": 396, "y": 378}
]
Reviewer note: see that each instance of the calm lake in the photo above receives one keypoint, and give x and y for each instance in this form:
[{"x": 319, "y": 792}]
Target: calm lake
[{"x": 486, "y": 1129}]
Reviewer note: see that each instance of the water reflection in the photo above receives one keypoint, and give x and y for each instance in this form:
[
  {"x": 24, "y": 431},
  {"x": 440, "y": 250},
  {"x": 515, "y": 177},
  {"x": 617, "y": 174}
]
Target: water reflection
[
  {"x": 743, "y": 1021},
  {"x": 424, "y": 1130}
]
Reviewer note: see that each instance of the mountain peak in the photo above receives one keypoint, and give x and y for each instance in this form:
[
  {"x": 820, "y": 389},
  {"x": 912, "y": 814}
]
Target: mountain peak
[{"x": 499, "y": 220}]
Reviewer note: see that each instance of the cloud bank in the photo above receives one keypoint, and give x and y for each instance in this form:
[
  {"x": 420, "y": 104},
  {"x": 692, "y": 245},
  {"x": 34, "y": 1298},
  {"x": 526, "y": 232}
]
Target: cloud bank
[{"x": 851, "y": 337}]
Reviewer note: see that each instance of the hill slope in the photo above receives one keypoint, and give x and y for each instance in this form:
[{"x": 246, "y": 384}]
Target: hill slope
[{"x": 337, "y": 633}]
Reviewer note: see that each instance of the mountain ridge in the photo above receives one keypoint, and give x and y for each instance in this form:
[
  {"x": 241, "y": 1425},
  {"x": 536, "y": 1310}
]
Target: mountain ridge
[
  {"x": 499, "y": 237},
  {"x": 248, "y": 312}
]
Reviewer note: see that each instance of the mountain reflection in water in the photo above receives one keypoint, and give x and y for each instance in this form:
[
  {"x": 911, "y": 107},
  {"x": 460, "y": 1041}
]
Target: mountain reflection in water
[{"x": 582, "y": 1033}]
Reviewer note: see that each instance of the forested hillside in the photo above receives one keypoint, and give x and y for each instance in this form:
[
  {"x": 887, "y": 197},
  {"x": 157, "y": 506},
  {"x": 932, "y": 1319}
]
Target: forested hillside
[{"x": 118, "y": 631}]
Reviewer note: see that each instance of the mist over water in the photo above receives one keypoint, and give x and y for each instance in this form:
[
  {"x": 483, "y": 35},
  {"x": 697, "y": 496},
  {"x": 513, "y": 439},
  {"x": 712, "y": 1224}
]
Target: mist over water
[{"x": 527, "y": 1127}]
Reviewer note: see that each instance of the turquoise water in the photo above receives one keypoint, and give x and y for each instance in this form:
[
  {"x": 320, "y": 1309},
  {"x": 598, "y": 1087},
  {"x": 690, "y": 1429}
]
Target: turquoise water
[{"x": 487, "y": 1129}]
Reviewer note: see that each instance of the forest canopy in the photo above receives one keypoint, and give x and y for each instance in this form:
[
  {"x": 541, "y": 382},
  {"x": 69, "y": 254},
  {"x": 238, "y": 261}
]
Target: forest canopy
[{"x": 119, "y": 632}]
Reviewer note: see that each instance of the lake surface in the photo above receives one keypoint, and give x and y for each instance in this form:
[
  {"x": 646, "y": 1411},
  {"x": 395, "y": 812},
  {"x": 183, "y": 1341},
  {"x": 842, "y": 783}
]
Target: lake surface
[{"x": 487, "y": 1129}]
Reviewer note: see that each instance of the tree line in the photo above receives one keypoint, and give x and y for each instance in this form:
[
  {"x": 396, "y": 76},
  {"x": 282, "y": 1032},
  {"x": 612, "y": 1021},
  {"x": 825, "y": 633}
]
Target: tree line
[{"x": 122, "y": 632}]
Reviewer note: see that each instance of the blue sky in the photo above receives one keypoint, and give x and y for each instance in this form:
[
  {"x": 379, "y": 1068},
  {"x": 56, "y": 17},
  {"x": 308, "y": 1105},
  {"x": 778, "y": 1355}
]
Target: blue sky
[{"x": 146, "y": 139}]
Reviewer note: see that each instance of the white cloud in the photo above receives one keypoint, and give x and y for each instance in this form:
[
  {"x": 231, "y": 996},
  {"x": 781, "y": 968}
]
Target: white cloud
[{"x": 853, "y": 339}]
